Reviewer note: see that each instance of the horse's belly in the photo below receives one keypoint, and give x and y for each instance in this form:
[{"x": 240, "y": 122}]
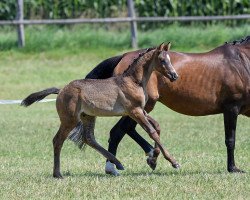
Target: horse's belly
[
  {"x": 191, "y": 101},
  {"x": 193, "y": 108}
]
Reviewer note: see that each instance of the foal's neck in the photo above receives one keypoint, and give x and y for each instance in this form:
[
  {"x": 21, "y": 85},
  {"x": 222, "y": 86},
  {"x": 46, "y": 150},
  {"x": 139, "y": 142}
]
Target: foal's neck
[{"x": 141, "y": 69}]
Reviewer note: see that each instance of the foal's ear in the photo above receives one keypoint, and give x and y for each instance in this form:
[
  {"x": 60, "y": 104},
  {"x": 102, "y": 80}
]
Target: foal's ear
[
  {"x": 161, "y": 46},
  {"x": 167, "y": 46}
]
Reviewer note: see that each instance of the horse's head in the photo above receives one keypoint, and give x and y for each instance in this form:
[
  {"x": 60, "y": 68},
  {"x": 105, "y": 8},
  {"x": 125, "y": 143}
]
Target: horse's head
[{"x": 163, "y": 63}]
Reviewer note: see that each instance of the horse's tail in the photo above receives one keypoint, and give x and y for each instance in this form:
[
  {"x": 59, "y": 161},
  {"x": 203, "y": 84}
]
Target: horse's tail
[
  {"x": 77, "y": 135},
  {"x": 37, "y": 96}
]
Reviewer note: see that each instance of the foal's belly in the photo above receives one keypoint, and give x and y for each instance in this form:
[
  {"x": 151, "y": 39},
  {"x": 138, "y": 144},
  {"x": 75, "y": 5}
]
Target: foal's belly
[{"x": 103, "y": 109}]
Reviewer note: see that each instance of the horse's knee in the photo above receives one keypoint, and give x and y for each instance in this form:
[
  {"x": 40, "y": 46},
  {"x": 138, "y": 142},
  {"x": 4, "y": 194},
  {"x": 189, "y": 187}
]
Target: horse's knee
[
  {"x": 128, "y": 124},
  {"x": 55, "y": 140},
  {"x": 230, "y": 143},
  {"x": 116, "y": 134}
]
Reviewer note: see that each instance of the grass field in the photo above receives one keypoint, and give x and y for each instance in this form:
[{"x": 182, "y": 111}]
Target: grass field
[{"x": 26, "y": 157}]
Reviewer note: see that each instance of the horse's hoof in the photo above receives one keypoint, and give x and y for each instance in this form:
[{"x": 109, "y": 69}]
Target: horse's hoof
[
  {"x": 113, "y": 172},
  {"x": 110, "y": 169},
  {"x": 119, "y": 166},
  {"x": 176, "y": 166},
  {"x": 236, "y": 170},
  {"x": 151, "y": 162},
  {"x": 58, "y": 175}
]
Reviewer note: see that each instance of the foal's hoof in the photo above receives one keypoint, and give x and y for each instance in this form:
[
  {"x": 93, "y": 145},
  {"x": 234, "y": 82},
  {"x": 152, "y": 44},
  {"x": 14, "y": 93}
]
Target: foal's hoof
[
  {"x": 119, "y": 166},
  {"x": 176, "y": 166},
  {"x": 151, "y": 162},
  {"x": 236, "y": 170}
]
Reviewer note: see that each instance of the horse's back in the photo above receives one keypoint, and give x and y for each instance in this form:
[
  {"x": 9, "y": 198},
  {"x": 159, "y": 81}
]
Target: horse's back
[{"x": 206, "y": 81}]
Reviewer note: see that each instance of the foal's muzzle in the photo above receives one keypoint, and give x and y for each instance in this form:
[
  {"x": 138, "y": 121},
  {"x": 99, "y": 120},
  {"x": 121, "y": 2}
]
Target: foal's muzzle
[{"x": 173, "y": 76}]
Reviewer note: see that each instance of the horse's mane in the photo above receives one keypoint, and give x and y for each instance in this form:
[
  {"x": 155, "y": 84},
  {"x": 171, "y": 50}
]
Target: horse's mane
[
  {"x": 104, "y": 69},
  {"x": 241, "y": 41},
  {"x": 138, "y": 58}
]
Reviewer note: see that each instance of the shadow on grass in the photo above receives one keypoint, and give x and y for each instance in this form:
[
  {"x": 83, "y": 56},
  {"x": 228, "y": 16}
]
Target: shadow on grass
[{"x": 89, "y": 174}]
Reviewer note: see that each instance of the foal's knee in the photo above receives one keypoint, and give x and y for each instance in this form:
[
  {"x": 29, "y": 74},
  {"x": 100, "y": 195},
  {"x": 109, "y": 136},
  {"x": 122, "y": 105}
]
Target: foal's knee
[{"x": 157, "y": 128}]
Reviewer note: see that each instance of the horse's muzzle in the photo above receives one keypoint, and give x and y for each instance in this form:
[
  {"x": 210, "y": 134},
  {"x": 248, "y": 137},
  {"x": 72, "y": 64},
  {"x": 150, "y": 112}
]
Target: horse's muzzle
[{"x": 173, "y": 76}]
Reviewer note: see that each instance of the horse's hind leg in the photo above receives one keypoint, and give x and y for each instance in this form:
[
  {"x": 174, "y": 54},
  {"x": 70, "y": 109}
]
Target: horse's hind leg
[
  {"x": 58, "y": 141},
  {"x": 146, "y": 124},
  {"x": 89, "y": 125}
]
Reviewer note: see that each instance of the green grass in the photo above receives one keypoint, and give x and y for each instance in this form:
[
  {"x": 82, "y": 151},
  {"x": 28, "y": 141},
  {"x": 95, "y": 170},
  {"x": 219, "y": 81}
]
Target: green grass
[
  {"x": 74, "y": 39},
  {"x": 26, "y": 157}
]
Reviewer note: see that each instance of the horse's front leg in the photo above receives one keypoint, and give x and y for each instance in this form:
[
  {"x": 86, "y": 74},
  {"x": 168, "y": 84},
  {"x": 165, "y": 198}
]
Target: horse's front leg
[
  {"x": 230, "y": 121},
  {"x": 126, "y": 125},
  {"x": 139, "y": 116}
]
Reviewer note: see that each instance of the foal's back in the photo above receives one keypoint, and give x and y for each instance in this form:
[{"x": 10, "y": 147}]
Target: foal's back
[{"x": 93, "y": 97}]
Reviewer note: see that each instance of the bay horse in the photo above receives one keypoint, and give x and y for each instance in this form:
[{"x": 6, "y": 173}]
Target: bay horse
[
  {"x": 210, "y": 83},
  {"x": 81, "y": 101}
]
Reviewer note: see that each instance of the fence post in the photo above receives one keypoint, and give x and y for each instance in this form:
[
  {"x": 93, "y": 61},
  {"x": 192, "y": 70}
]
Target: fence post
[
  {"x": 133, "y": 25},
  {"x": 20, "y": 27}
]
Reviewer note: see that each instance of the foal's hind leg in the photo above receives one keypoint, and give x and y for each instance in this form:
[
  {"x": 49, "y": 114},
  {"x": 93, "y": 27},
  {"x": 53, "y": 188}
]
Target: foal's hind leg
[
  {"x": 89, "y": 125},
  {"x": 139, "y": 115},
  {"x": 58, "y": 141}
]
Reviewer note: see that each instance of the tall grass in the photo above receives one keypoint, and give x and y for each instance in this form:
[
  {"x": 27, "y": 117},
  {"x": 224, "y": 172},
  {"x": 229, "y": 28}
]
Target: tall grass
[{"x": 80, "y": 38}]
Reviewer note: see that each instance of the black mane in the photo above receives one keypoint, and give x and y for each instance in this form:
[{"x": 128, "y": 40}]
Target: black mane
[
  {"x": 105, "y": 69},
  {"x": 243, "y": 40}
]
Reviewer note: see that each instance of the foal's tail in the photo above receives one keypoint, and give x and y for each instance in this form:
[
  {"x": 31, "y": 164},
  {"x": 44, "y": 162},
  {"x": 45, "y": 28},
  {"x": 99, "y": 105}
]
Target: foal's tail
[
  {"x": 37, "y": 96},
  {"x": 77, "y": 135}
]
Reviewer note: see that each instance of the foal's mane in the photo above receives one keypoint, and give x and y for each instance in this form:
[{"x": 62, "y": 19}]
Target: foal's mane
[
  {"x": 135, "y": 61},
  {"x": 241, "y": 41}
]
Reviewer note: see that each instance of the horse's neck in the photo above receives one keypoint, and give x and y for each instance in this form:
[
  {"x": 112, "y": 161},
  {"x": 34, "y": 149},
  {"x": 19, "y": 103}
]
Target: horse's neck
[{"x": 141, "y": 69}]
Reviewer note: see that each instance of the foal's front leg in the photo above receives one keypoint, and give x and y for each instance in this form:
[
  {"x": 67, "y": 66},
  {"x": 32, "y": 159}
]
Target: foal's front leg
[
  {"x": 157, "y": 150},
  {"x": 148, "y": 123}
]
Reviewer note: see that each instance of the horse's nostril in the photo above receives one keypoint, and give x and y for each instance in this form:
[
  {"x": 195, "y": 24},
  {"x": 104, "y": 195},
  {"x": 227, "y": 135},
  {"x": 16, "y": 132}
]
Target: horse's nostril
[{"x": 174, "y": 76}]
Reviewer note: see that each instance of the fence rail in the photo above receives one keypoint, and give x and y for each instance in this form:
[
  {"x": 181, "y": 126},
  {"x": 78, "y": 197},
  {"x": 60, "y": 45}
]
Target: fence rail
[
  {"x": 122, "y": 19},
  {"x": 132, "y": 19}
]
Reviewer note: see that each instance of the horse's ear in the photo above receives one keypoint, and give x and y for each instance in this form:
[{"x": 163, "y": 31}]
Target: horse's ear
[
  {"x": 161, "y": 46},
  {"x": 167, "y": 46}
]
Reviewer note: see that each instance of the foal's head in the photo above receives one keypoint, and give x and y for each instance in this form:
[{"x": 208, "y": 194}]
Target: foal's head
[{"x": 162, "y": 62}]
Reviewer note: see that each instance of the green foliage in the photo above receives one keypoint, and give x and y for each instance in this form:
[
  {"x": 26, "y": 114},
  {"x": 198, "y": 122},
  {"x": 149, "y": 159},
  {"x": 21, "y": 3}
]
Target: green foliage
[
  {"x": 8, "y": 9},
  {"x": 53, "y": 9},
  {"x": 75, "y": 39}
]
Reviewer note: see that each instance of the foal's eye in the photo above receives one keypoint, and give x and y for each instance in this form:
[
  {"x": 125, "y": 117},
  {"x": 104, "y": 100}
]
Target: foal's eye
[{"x": 163, "y": 62}]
